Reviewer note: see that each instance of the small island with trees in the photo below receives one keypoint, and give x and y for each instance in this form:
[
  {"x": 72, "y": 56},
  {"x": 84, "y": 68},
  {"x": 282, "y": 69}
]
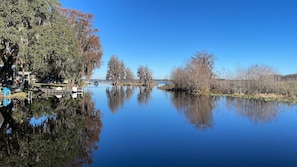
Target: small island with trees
[{"x": 123, "y": 76}]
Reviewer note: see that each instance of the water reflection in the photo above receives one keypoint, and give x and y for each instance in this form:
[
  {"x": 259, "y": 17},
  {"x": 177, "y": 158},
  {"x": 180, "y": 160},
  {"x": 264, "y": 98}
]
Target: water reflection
[
  {"x": 197, "y": 109},
  {"x": 257, "y": 111},
  {"x": 117, "y": 95},
  {"x": 51, "y": 132},
  {"x": 144, "y": 95}
]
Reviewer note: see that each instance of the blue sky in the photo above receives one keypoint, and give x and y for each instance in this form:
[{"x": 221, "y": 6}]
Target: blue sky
[{"x": 163, "y": 34}]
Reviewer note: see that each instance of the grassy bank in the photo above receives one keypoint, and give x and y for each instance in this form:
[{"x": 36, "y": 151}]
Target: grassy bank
[
  {"x": 134, "y": 84},
  {"x": 264, "y": 97},
  {"x": 18, "y": 95}
]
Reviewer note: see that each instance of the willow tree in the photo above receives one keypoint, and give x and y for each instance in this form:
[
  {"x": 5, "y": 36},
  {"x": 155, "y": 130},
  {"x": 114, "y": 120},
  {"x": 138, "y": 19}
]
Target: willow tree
[{"x": 88, "y": 41}]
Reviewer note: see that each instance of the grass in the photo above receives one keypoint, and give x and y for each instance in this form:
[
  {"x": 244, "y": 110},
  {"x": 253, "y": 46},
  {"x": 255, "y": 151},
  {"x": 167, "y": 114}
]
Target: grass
[
  {"x": 134, "y": 84},
  {"x": 264, "y": 97},
  {"x": 18, "y": 95}
]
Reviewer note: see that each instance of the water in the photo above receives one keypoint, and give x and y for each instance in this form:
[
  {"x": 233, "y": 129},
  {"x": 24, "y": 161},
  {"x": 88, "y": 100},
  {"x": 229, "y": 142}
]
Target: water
[
  {"x": 155, "y": 128},
  {"x": 128, "y": 126}
]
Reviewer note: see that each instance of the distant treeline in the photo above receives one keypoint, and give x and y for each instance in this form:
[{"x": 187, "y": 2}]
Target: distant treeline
[{"x": 291, "y": 77}]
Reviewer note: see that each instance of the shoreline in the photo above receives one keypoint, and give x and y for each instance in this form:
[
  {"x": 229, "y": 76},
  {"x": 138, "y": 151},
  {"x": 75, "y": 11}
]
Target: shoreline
[
  {"x": 259, "y": 96},
  {"x": 17, "y": 95},
  {"x": 134, "y": 84},
  {"x": 263, "y": 97}
]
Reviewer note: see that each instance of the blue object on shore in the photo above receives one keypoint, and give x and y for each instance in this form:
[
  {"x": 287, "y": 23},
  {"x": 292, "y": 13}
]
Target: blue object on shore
[
  {"x": 6, "y": 102},
  {"x": 6, "y": 91}
]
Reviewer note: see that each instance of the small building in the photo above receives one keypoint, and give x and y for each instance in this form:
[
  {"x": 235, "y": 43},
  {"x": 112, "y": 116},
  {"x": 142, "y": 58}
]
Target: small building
[{"x": 26, "y": 76}]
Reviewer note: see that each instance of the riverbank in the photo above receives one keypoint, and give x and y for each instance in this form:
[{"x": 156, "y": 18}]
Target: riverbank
[
  {"x": 135, "y": 84},
  {"x": 18, "y": 95},
  {"x": 41, "y": 88},
  {"x": 264, "y": 97}
]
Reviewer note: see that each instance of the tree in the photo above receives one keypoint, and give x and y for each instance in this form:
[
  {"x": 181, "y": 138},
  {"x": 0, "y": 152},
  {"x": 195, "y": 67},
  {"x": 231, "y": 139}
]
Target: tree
[
  {"x": 197, "y": 76},
  {"x": 179, "y": 79},
  {"x": 129, "y": 75},
  {"x": 47, "y": 46},
  {"x": 19, "y": 20},
  {"x": 256, "y": 79},
  {"x": 116, "y": 70},
  {"x": 200, "y": 69},
  {"x": 141, "y": 74},
  {"x": 89, "y": 42},
  {"x": 59, "y": 59},
  {"x": 145, "y": 75},
  {"x": 122, "y": 71}
]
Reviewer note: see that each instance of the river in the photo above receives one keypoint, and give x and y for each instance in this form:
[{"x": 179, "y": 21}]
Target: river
[{"x": 136, "y": 126}]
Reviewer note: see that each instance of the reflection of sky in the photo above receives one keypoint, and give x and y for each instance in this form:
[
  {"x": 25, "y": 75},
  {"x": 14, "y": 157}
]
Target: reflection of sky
[
  {"x": 158, "y": 134},
  {"x": 38, "y": 121},
  {"x": 9, "y": 131}
]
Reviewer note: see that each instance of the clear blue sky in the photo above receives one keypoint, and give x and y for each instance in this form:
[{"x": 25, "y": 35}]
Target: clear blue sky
[{"x": 163, "y": 34}]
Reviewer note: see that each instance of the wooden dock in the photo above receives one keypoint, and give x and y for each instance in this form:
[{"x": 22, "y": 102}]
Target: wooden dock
[{"x": 47, "y": 92}]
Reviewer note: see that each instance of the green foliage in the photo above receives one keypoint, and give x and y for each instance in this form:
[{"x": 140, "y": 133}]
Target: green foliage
[{"x": 48, "y": 47}]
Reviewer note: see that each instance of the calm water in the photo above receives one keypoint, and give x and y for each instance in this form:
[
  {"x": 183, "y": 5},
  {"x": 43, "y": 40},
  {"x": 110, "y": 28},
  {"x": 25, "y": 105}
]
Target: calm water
[
  {"x": 154, "y": 128},
  {"x": 126, "y": 126}
]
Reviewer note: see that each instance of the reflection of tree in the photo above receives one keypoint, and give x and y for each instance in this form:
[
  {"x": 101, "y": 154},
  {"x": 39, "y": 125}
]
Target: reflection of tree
[
  {"x": 255, "y": 110},
  {"x": 66, "y": 135},
  {"x": 117, "y": 95},
  {"x": 129, "y": 92},
  {"x": 198, "y": 109},
  {"x": 144, "y": 95}
]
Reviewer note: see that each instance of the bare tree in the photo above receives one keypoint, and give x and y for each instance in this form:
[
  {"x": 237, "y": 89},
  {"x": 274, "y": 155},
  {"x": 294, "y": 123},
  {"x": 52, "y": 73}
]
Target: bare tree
[
  {"x": 179, "y": 78},
  {"x": 141, "y": 74},
  {"x": 122, "y": 72},
  {"x": 200, "y": 70},
  {"x": 116, "y": 70},
  {"x": 197, "y": 76},
  {"x": 257, "y": 79},
  {"x": 129, "y": 75},
  {"x": 145, "y": 75}
]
